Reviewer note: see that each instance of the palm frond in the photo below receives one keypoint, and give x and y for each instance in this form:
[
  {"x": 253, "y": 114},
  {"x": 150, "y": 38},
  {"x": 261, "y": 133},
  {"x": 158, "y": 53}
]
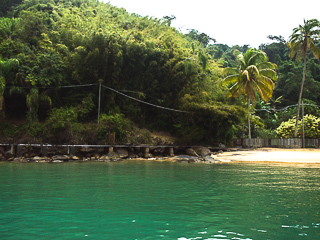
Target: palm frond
[
  {"x": 246, "y": 74},
  {"x": 234, "y": 91},
  {"x": 17, "y": 90},
  {"x": 315, "y": 50},
  {"x": 267, "y": 65},
  {"x": 45, "y": 98},
  {"x": 229, "y": 70},
  {"x": 253, "y": 69},
  {"x": 269, "y": 73},
  {"x": 231, "y": 79}
]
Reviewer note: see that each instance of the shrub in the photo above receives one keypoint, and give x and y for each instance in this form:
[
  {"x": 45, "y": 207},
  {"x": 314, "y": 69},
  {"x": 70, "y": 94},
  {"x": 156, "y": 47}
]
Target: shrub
[
  {"x": 117, "y": 123},
  {"x": 311, "y": 127},
  {"x": 62, "y": 125}
]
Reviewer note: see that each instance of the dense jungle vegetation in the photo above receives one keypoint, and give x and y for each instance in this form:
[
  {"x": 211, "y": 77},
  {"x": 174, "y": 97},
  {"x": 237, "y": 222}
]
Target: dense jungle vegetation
[{"x": 56, "y": 56}]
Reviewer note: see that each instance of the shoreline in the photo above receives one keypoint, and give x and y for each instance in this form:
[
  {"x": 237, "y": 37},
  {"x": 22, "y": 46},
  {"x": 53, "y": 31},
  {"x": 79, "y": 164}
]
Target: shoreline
[
  {"x": 196, "y": 154},
  {"x": 271, "y": 155}
]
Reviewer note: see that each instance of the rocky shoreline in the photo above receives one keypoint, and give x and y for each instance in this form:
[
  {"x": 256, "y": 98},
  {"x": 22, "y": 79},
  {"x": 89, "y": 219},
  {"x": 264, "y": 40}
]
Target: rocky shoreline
[{"x": 55, "y": 154}]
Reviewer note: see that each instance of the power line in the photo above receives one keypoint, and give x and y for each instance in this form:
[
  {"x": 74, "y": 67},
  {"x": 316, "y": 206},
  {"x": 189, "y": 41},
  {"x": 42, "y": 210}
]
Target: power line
[
  {"x": 285, "y": 108},
  {"x": 157, "y": 106},
  {"x": 132, "y": 98}
]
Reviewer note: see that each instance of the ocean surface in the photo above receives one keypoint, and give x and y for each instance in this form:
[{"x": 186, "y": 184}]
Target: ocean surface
[{"x": 159, "y": 200}]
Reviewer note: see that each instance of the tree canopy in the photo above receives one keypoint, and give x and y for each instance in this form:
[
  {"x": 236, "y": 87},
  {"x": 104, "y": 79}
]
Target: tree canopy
[{"x": 58, "y": 51}]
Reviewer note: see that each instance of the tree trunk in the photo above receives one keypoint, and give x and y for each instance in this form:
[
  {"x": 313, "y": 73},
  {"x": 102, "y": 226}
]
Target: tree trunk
[
  {"x": 300, "y": 95},
  {"x": 249, "y": 127},
  {"x": 2, "y": 112}
]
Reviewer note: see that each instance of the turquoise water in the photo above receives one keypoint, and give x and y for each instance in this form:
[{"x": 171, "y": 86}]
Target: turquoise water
[{"x": 152, "y": 200}]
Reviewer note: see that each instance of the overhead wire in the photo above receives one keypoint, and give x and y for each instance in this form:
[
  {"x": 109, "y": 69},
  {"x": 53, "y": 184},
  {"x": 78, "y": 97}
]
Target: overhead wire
[
  {"x": 116, "y": 91},
  {"x": 138, "y": 100}
]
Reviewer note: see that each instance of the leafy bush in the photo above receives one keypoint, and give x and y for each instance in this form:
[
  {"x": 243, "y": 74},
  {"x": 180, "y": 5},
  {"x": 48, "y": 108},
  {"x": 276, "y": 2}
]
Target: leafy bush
[
  {"x": 9, "y": 130},
  {"x": 311, "y": 127},
  {"x": 62, "y": 125},
  {"x": 117, "y": 123}
]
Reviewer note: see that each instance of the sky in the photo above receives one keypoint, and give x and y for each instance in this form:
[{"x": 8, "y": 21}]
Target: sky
[{"x": 231, "y": 22}]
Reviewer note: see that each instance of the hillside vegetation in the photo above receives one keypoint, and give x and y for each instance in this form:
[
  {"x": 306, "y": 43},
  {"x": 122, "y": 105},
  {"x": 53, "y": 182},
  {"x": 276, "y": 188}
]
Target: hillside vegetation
[{"x": 56, "y": 56}]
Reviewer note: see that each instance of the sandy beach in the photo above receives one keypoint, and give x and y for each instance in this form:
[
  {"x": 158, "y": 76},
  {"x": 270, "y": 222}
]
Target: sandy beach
[{"x": 271, "y": 155}]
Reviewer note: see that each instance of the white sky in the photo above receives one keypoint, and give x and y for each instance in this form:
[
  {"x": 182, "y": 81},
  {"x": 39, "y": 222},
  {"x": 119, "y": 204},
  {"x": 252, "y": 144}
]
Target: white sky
[{"x": 231, "y": 22}]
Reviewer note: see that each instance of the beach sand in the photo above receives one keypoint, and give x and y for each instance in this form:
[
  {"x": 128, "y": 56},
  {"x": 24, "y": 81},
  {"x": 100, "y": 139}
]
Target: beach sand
[{"x": 271, "y": 155}]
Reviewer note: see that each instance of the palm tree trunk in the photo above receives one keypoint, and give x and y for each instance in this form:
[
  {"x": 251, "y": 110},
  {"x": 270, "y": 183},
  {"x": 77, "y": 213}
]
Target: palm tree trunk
[
  {"x": 249, "y": 127},
  {"x": 300, "y": 95}
]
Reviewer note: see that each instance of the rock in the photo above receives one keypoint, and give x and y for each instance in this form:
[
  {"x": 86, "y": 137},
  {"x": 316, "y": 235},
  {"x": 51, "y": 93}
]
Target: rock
[
  {"x": 104, "y": 158},
  {"x": 122, "y": 152},
  {"x": 191, "y": 152},
  {"x": 185, "y": 158},
  {"x": 8, "y": 154},
  {"x": 132, "y": 155},
  {"x": 113, "y": 155},
  {"x": 23, "y": 160},
  {"x": 148, "y": 155},
  {"x": 202, "y": 151},
  {"x": 74, "y": 158},
  {"x": 57, "y": 161},
  {"x": 40, "y": 159},
  {"x": 99, "y": 160},
  {"x": 220, "y": 151},
  {"x": 116, "y": 159},
  {"x": 60, "y": 157},
  {"x": 209, "y": 159},
  {"x": 222, "y": 145}
]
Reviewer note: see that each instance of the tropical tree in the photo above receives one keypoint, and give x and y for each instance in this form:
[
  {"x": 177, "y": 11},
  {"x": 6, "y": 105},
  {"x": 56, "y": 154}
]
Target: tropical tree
[
  {"x": 254, "y": 76},
  {"x": 300, "y": 42},
  {"x": 8, "y": 71}
]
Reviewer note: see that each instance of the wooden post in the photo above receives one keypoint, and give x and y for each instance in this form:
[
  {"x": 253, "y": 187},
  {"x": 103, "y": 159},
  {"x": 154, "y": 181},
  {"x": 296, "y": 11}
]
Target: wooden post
[
  {"x": 44, "y": 151},
  {"x": 18, "y": 151},
  {"x": 170, "y": 151},
  {"x": 146, "y": 151}
]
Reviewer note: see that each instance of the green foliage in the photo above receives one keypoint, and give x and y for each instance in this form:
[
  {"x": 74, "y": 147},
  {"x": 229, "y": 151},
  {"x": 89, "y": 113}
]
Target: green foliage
[
  {"x": 34, "y": 130},
  {"x": 61, "y": 119},
  {"x": 47, "y": 44},
  {"x": 85, "y": 107},
  {"x": 7, "y": 6},
  {"x": 62, "y": 126},
  {"x": 311, "y": 127},
  {"x": 255, "y": 76},
  {"x": 114, "y": 123},
  {"x": 9, "y": 130},
  {"x": 301, "y": 41},
  {"x": 209, "y": 122}
]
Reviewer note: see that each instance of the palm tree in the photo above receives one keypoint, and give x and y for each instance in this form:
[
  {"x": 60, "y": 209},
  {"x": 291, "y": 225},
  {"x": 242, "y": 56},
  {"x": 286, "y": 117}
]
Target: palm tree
[
  {"x": 8, "y": 70},
  {"x": 254, "y": 76},
  {"x": 300, "y": 42}
]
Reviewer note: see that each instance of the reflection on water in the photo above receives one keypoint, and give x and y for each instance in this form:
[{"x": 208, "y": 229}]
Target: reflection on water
[{"x": 149, "y": 200}]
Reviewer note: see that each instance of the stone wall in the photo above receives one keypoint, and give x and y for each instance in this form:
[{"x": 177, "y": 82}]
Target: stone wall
[{"x": 66, "y": 153}]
